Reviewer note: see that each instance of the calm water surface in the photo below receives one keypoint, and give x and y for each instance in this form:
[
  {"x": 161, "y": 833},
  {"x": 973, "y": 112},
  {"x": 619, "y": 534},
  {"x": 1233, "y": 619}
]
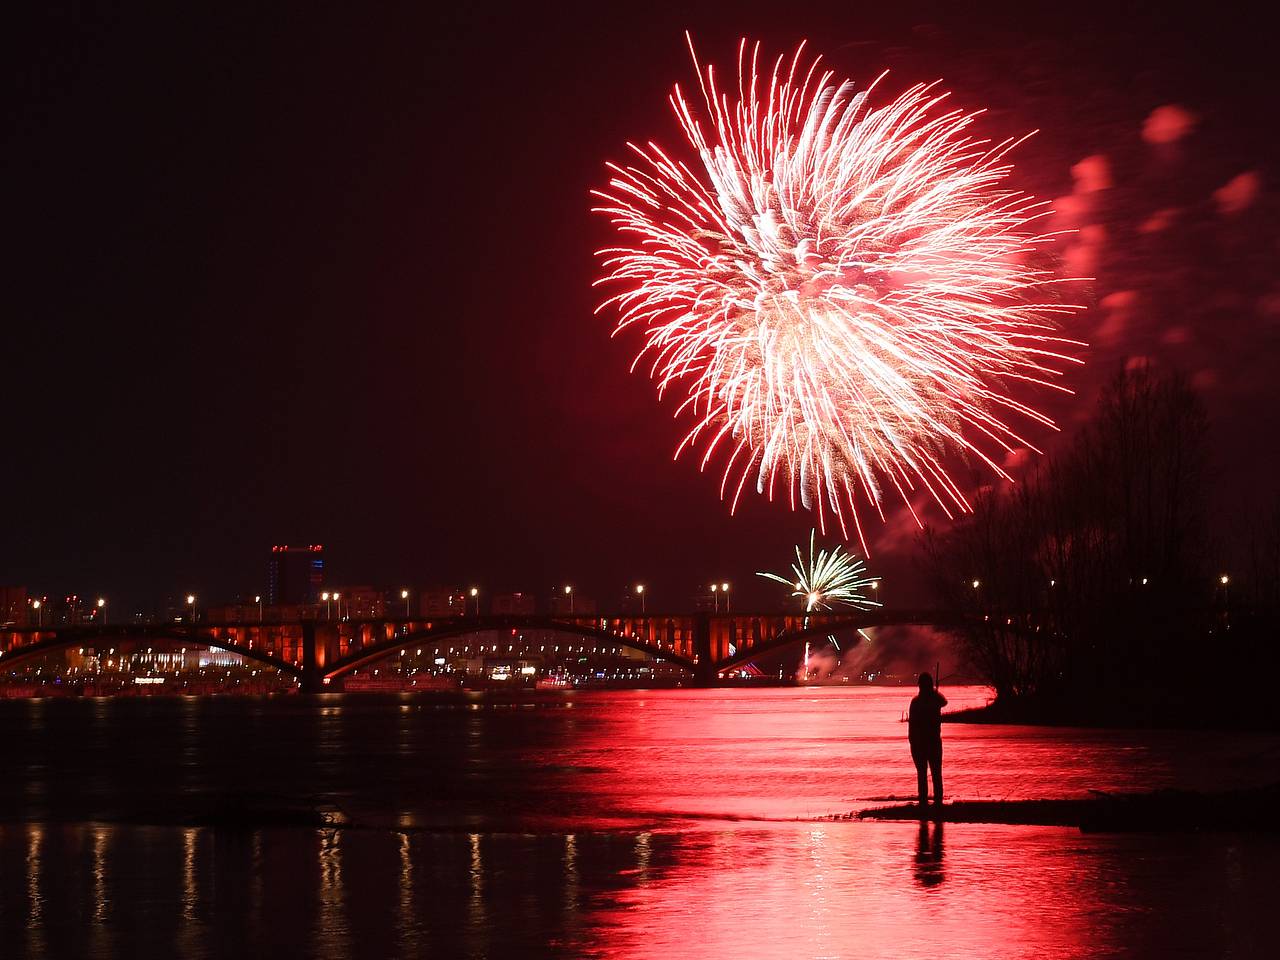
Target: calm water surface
[{"x": 611, "y": 824}]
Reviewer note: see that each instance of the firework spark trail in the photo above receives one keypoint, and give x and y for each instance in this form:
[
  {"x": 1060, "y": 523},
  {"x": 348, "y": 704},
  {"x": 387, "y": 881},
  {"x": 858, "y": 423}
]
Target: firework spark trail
[
  {"x": 827, "y": 578},
  {"x": 842, "y": 290}
]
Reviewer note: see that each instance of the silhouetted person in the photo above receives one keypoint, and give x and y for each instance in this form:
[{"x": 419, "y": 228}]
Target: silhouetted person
[{"x": 924, "y": 730}]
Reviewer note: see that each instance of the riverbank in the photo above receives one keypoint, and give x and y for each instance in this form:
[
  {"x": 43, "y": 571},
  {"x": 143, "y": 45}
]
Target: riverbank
[
  {"x": 1122, "y": 713},
  {"x": 1162, "y": 811}
]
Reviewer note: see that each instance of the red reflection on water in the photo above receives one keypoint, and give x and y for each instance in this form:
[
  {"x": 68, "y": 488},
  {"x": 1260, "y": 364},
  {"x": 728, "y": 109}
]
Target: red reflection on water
[
  {"x": 841, "y": 890},
  {"x": 765, "y": 887},
  {"x": 892, "y": 891},
  {"x": 784, "y": 754}
]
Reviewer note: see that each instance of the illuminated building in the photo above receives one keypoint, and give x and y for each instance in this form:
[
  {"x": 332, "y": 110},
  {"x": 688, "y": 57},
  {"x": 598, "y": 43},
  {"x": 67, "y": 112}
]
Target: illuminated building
[
  {"x": 564, "y": 604},
  {"x": 295, "y": 575},
  {"x": 14, "y": 604},
  {"x": 442, "y": 602},
  {"x": 360, "y": 603},
  {"x": 704, "y": 600},
  {"x": 219, "y": 658},
  {"x": 507, "y": 604}
]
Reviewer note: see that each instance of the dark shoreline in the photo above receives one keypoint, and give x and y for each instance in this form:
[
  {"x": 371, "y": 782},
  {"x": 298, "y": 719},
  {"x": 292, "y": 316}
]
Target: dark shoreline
[
  {"x": 1249, "y": 810},
  {"x": 1119, "y": 715},
  {"x": 1163, "y": 811}
]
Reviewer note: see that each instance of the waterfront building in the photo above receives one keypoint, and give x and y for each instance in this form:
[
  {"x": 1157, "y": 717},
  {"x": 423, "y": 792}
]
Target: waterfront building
[
  {"x": 440, "y": 601},
  {"x": 510, "y": 604},
  {"x": 14, "y": 604},
  {"x": 565, "y": 604}
]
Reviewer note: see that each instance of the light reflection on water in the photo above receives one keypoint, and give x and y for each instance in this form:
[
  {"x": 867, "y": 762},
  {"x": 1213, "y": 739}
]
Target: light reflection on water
[
  {"x": 607, "y": 830},
  {"x": 767, "y": 891},
  {"x": 859, "y": 891}
]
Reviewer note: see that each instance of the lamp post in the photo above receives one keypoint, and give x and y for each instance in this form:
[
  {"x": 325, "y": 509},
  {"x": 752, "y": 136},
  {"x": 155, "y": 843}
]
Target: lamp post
[
  {"x": 258, "y": 600},
  {"x": 875, "y": 590},
  {"x": 724, "y": 588},
  {"x": 475, "y": 595},
  {"x": 328, "y": 607},
  {"x": 191, "y": 605},
  {"x": 404, "y": 595},
  {"x": 640, "y": 593},
  {"x": 337, "y": 599},
  {"x": 39, "y": 613},
  {"x": 1226, "y": 592},
  {"x": 568, "y": 592},
  {"x": 102, "y": 609}
]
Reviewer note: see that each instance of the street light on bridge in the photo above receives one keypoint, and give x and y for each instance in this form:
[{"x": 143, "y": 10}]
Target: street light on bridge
[
  {"x": 102, "y": 608},
  {"x": 475, "y": 595},
  {"x": 258, "y": 600},
  {"x": 568, "y": 592},
  {"x": 404, "y": 595},
  {"x": 35, "y": 605},
  {"x": 328, "y": 608},
  {"x": 724, "y": 588},
  {"x": 191, "y": 604},
  {"x": 640, "y": 593},
  {"x": 715, "y": 598}
]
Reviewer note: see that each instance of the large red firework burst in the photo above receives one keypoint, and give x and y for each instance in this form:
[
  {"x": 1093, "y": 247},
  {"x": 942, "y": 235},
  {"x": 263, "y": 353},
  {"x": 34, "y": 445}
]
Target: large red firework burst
[{"x": 845, "y": 291}]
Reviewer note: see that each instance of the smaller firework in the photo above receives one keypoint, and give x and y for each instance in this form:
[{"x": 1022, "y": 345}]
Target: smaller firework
[{"x": 827, "y": 579}]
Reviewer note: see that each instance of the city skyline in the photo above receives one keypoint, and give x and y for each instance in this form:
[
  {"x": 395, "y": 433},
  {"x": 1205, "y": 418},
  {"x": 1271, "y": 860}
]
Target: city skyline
[{"x": 586, "y": 595}]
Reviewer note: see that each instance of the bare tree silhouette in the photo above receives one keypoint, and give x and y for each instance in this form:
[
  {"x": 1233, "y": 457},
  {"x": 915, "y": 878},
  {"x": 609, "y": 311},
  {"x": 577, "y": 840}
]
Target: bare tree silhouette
[{"x": 1091, "y": 576}]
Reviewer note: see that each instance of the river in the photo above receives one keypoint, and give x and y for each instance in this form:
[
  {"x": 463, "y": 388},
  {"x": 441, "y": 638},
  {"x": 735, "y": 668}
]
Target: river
[{"x": 600, "y": 824}]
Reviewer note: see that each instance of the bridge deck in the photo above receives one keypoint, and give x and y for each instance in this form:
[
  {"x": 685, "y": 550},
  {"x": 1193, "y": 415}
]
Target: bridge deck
[{"x": 320, "y": 650}]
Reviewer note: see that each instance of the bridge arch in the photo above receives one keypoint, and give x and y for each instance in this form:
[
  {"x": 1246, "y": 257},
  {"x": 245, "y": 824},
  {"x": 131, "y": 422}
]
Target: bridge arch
[
  {"x": 865, "y": 620},
  {"x": 62, "y": 639},
  {"x": 357, "y": 659}
]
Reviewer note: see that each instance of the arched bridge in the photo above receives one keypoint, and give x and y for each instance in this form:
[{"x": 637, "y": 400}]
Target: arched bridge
[{"x": 320, "y": 651}]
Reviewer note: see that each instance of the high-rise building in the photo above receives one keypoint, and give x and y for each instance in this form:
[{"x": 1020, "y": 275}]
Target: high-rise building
[{"x": 295, "y": 574}]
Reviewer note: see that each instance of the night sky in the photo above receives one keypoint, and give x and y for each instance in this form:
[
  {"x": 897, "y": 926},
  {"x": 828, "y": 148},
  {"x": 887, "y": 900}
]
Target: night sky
[{"x": 292, "y": 273}]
